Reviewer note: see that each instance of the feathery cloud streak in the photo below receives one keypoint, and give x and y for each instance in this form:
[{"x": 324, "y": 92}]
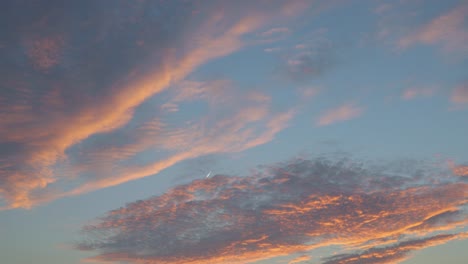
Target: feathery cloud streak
[
  {"x": 78, "y": 88},
  {"x": 339, "y": 114},
  {"x": 448, "y": 31}
]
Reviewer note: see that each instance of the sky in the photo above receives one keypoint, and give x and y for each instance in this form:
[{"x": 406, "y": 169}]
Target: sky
[{"x": 218, "y": 131}]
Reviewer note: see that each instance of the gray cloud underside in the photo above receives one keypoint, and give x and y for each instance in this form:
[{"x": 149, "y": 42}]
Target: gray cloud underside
[{"x": 289, "y": 207}]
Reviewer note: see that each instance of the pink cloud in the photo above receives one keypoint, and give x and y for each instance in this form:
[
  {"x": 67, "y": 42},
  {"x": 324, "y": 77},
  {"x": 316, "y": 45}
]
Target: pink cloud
[
  {"x": 287, "y": 209},
  {"x": 412, "y": 93},
  {"x": 342, "y": 113},
  {"x": 45, "y": 51},
  {"x": 460, "y": 95},
  {"x": 42, "y": 138},
  {"x": 447, "y": 30},
  {"x": 309, "y": 92}
]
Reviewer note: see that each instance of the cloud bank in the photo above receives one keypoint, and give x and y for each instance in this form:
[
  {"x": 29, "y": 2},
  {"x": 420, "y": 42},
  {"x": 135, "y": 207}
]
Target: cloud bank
[{"x": 288, "y": 208}]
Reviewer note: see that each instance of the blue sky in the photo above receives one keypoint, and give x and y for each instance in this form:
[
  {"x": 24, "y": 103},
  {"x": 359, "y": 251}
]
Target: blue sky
[{"x": 334, "y": 131}]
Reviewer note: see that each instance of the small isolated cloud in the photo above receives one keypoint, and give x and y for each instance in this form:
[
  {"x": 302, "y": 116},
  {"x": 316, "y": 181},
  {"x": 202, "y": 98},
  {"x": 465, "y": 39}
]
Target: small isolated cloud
[
  {"x": 269, "y": 50},
  {"x": 447, "y": 30},
  {"x": 459, "y": 95},
  {"x": 309, "y": 64},
  {"x": 309, "y": 91},
  {"x": 309, "y": 59},
  {"x": 275, "y": 32},
  {"x": 368, "y": 212},
  {"x": 415, "y": 92},
  {"x": 342, "y": 113}
]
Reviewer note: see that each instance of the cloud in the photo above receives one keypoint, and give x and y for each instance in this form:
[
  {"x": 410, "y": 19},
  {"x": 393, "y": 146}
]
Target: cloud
[
  {"x": 309, "y": 64},
  {"x": 342, "y": 113},
  {"x": 382, "y": 8},
  {"x": 288, "y": 208},
  {"x": 275, "y": 34},
  {"x": 300, "y": 259},
  {"x": 310, "y": 59},
  {"x": 276, "y": 49},
  {"x": 413, "y": 92},
  {"x": 93, "y": 76},
  {"x": 247, "y": 128},
  {"x": 393, "y": 254},
  {"x": 447, "y": 30},
  {"x": 274, "y": 31},
  {"x": 309, "y": 91},
  {"x": 460, "y": 95},
  {"x": 460, "y": 170},
  {"x": 45, "y": 51}
]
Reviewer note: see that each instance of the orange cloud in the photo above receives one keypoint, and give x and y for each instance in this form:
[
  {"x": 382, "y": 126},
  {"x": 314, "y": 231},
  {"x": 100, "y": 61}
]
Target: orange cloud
[
  {"x": 230, "y": 135},
  {"x": 42, "y": 133},
  {"x": 287, "y": 209},
  {"x": 460, "y": 170},
  {"x": 300, "y": 259},
  {"x": 395, "y": 253},
  {"x": 342, "y": 113},
  {"x": 447, "y": 30}
]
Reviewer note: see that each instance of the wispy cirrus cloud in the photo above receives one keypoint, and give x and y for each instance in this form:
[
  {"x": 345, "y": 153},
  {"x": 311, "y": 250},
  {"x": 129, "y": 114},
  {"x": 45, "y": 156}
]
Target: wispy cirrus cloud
[
  {"x": 275, "y": 31},
  {"x": 288, "y": 208},
  {"x": 339, "y": 114},
  {"x": 447, "y": 30},
  {"x": 78, "y": 84},
  {"x": 415, "y": 92}
]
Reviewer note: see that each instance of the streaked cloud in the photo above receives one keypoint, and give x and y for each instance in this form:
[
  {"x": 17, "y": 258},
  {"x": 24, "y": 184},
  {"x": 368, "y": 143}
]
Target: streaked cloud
[
  {"x": 395, "y": 253},
  {"x": 275, "y": 34},
  {"x": 415, "y": 92},
  {"x": 276, "y": 49},
  {"x": 447, "y": 30},
  {"x": 85, "y": 89},
  {"x": 300, "y": 259},
  {"x": 275, "y": 31},
  {"x": 369, "y": 212},
  {"x": 342, "y": 113}
]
